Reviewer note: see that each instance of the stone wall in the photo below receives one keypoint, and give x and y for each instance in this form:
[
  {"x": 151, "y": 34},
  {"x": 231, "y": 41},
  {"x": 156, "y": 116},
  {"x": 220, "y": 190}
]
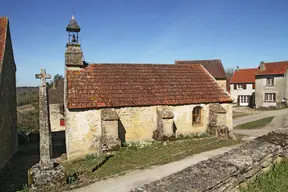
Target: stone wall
[
  {"x": 229, "y": 171},
  {"x": 55, "y": 117},
  {"x": 8, "y": 112},
  {"x": 84, "y": 128},
  {"x": 222, "y": 84}
]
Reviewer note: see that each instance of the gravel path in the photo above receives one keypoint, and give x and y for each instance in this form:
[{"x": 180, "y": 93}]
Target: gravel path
[
  {"x": 280, "y": 121},
  {"x": 140, "y": 177}
]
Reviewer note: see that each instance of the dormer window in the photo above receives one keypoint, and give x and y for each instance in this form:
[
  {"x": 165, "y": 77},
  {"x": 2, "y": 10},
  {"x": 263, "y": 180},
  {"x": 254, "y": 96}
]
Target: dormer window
[{"x": 270, "y": 81}]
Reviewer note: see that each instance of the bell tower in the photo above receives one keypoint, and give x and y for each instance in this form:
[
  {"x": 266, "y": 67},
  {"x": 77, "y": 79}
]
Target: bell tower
[{"x": 73, "y": 54}]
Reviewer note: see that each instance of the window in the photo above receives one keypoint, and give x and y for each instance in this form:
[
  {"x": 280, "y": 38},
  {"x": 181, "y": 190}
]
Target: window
[
  {"x": 197, "y": 115},
  {"x": 239, "y": 86},
  {"x": 271, "y": 97},
  {"x": 244, "y": 99},
  {"x": 270, "y": 81}
]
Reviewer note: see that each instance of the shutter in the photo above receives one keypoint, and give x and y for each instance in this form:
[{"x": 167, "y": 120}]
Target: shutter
[
  {"x": 244, "y": 86},
  {"x": 235, "y": 86},
  {"x": 253, "y": 85}
]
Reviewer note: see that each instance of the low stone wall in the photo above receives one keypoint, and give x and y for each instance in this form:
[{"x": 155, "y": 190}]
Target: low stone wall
[{"x": 228, "y": 171}]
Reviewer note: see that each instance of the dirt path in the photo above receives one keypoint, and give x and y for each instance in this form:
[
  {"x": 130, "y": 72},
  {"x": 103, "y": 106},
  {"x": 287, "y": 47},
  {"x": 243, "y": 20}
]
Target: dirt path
[
  {"x": 280, "y": 121},
  {"x": 140, "y": 177},
  {"x": 260, "y": 115}
]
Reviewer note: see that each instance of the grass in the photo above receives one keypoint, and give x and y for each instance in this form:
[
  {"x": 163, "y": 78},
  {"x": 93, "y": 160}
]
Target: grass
[
  {"x": 132, "y": 158},
  {"x": 239, "y": 114},
  {"x": 274, "y": 180},
  {"x": 256, "y": 124}
]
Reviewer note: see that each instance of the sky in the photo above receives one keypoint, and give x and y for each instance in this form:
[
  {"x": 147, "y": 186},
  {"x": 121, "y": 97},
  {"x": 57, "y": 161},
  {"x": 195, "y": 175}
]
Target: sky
[{"x": 239, "y": 32}]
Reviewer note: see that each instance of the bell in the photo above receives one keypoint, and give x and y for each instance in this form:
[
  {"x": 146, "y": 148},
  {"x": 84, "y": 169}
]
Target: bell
[{"x": 74, "y": 38}]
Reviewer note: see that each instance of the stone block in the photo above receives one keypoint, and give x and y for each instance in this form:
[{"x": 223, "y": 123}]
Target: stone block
[
  {"x": 168, "y": 128},
  {"x": 46, "y": 179},
  {"x": 109, "y": 115},
  {"x": 267, "y": 161}
]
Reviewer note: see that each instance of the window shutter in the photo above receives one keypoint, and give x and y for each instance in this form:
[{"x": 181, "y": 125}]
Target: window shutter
[
  {"x": 253, "y": 85},
  {"x": 244, "y": 86},
  {"x": 235, "y": 86}
]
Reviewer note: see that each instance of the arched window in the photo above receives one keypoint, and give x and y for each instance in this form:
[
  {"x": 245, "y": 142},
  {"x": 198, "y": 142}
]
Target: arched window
[{"x": 197, "y": 115}]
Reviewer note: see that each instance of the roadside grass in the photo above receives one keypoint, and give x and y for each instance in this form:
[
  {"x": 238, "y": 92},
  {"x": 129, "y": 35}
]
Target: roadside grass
[
  {"x": 133, "y": 158},
  {"x": 239, "y": 114},
  {"x": 255, "y": 124},
  {"x": 274, "y": 180}
]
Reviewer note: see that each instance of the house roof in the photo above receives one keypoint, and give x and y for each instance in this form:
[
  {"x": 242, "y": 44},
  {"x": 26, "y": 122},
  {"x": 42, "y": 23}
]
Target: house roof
[
  {"x": 244, "y": 76},
  {"x": 215, "y": 66},
  {"x": 274, "y": 68},
  {"x": 119, "y": 85},
  {"x": 3, "y": 35}
]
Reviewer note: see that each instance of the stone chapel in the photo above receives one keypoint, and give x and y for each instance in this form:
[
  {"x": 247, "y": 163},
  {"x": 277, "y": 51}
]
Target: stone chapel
[{"x": 107, "y": 104}]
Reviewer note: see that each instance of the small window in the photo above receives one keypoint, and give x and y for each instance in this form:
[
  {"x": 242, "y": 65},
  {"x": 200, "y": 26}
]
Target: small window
[
  {"x": 270, "y": 97},
  {"x": 197, "y": 115},
  {"x": 270, "y": 81},
  {"x": 239, "y": 86}
]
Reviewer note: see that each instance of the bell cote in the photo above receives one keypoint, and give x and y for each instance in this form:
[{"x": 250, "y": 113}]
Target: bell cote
[{"x": 73, "y": 54}]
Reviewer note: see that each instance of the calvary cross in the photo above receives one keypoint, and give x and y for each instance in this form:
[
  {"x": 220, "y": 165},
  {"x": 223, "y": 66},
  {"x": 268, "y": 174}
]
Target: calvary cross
[
  {"x": 43, "y": 76},
  {"x": 44, "y": 123}
]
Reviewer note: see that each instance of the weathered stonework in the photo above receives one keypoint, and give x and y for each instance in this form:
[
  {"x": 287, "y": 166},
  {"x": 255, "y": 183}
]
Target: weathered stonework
[
  {"x": 165, "y": 124},
  {"x": 44, "y": 123},
  {"x": 228, "y": 171},
  {"x": 48, "y": 179},
  {"x": 74, "y": 55},
  {"x": 110, "y": 136},
  {"x": 217, "y": 122},
  {"x": 8, "y": 111},
  {"x": 84, "y": 127}
]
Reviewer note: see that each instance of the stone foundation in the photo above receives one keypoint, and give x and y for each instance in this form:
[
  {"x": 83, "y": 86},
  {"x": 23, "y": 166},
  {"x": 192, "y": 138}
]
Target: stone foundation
[
  {"x": 229, "y": 171},
  {"x": 46, "y": 179}
]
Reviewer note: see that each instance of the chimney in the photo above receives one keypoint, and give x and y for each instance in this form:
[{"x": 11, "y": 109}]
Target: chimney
[
  {"x": 237, "y": 68},
  {"x": 262, "y": 66}
]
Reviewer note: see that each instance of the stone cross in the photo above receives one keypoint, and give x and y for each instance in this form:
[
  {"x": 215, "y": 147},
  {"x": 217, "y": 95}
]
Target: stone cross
[{"x": 44, "y": 123}]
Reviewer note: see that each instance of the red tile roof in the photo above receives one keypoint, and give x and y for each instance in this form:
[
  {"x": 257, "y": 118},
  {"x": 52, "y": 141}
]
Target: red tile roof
[
  {"x": 119, "y": 85},
  {"x": 215, "y": 66},
  {"x": 274, "y": 68},
  {"x": 3, "y": 34},
  {"x": 244, "y": 76}
]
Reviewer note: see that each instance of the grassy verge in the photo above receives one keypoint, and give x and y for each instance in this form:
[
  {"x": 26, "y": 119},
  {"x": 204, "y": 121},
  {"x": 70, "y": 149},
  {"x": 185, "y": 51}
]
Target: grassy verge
[
  {"x": 274, "y": 180},
  {"x": 255, "y": 124},
  {"x": 239, "y": 114},
  {"x": 132, "y": 158}
]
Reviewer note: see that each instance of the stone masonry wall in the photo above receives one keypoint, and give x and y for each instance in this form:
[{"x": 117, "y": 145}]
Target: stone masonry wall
[
  {"x": 8, "y": 114},
  {"x": 83, "y": 128},
  {"x": 229, "y": 171},
  {"x": 55, "y": 117},
  {"x": 222, "y": 84}
]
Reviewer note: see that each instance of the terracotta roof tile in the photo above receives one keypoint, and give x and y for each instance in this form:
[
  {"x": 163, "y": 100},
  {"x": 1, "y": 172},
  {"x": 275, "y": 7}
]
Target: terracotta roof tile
[
  {"x": 3, "y": 34},
  {"x": 214, "y": 67},
  {"x": 244, "y": 76},
  {"x": 274, "y": 68},
  {"x": 116, "y": 85}
]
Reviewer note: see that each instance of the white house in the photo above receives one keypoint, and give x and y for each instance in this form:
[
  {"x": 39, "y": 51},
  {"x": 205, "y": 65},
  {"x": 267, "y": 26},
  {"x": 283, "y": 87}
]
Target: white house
[{"x": 242, "y": 87}]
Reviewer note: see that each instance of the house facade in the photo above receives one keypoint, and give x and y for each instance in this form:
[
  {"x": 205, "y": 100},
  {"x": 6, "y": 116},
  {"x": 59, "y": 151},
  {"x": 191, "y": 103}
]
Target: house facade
[
  {"x": 271, "y": 84},
  {"x": 242, "y": 87},
  {"x": 213, "y": 66},
  {"x": 56, "y": 106},
  {"x": 110, "y": 104},
  {"x": 8, "y": 112}
]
